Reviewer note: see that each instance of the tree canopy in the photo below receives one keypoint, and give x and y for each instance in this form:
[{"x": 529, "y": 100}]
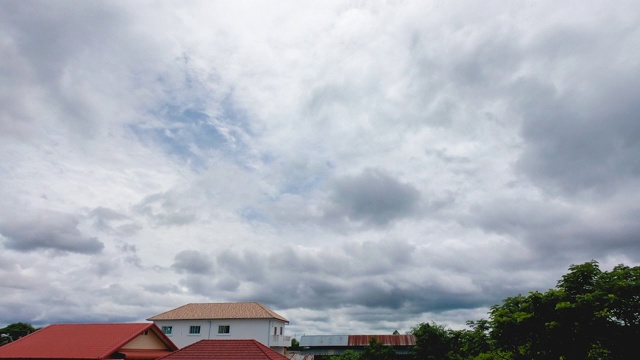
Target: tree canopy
[
  {"x": 591, "y": 314},
  {"x": 15, "y": 331}
]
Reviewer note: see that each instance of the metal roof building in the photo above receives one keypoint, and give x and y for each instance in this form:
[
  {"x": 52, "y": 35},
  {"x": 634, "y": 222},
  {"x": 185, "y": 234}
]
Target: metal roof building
[{"x": 337, "y": 344}]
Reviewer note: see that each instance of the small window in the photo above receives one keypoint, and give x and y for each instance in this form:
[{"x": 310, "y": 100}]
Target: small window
[
  {"x": 194, "y": 329},
  {"x": 167, "y": 329},
  {"x": 224, "y": 329},
  {"x": 280, "y": 330}
]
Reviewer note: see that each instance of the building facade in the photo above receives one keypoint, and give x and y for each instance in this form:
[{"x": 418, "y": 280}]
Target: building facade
[{"x": 224, "y": 321}]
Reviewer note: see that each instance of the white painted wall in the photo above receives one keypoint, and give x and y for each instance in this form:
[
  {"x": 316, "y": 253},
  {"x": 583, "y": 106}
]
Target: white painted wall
[{"x": 261, "y": 330}]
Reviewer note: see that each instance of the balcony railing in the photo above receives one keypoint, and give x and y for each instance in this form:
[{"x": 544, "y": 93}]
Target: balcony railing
[{"x": 280, "y": 340}]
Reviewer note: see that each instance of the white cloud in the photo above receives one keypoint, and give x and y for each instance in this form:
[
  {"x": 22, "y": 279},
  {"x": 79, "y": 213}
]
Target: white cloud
[{"x": 365, "y": 165}]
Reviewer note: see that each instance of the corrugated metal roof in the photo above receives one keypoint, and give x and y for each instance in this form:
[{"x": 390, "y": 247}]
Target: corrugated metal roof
[
  {"x": 78, "y": 341},
  {"x": 391, "y": 340},
  {"x": 324, "y": 340},
  {"x": 225, "y": 350},
  {"x": 355, "y": 340},
  {"x": 240, "y": 310}
]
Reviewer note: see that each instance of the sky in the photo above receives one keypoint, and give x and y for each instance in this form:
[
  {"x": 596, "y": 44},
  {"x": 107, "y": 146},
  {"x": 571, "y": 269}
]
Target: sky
[{"x": 358, "y": 167}]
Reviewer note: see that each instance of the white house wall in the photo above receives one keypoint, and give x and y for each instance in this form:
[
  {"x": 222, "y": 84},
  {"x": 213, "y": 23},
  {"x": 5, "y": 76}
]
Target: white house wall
[{"x": 258, "y": 329}]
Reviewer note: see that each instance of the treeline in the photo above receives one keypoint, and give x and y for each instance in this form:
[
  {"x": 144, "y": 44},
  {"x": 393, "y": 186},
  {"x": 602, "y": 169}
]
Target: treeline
[
  {"x": 590, "y": 314},
  {"x": 14, "y": 332}
]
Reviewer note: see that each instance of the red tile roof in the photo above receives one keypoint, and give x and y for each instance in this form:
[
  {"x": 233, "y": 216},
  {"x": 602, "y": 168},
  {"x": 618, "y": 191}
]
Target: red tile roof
[
  {"x": 135, "y": 354},
  {"x": 79, "y": 341},
  {"x": 240, "y": 310},
  {"x": 225, "y": 350}
]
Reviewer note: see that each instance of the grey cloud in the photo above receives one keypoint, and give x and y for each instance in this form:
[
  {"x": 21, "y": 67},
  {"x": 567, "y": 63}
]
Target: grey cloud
[
  {"x": 520, "y": 217},
  {"x": 574, "y": 147},
  {"x": 518, "y": 126},
  {"x": 43, "y": 35},
  {"x": 201, "y": 285},
  {"x": 374, "y": 275},
  {"x": 47, "y": 43},
  {"x": 373, "y": 197},
  {"x": 389, "y": 255},
  {"x": 192, "y": 262},
  {"x": 488, "y": 63},
  {"x": 73, "y": 312},
  {"x": 248, "y": 266},
  {"x": 581, "y": 133},
  {"x": 557, "y": 233},
  {"x": 14, "y": 311},
  {"x": 113, "y": 222},
  {"x": 166, "y": 209},
  {"x": 125, "y": 295},
  {"x": 50, "y": 231},
  {"x": 218, "y": 286},
  {"x": 130, "y": 253},
  {"x": 162, "y": 288}
]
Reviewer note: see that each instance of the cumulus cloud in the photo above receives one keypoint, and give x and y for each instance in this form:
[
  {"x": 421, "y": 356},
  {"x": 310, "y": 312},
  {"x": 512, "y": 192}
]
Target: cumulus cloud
[
  {"x": 165, "y": 210},
  {"x": 193, "y": 262},
  {"x": 48, "y": 230},
  {"x": 373, "y": 197},
  {"x": 113, "y": 222},
  {"x": 411, "y": 163},
  {"x": 578, "y": 138}
]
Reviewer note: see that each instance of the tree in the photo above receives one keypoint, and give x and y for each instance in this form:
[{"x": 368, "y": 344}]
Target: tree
[
  {"x": 432, "y": 342},
  {"x": 295, "y": 345},
  {"x": 347, "y": 355},
  {"x": 471, "y": 343},
  {"x": 15, "y": 331},
  {"x": 377, "y": 351},
  {"x": 590, "y": 315}
]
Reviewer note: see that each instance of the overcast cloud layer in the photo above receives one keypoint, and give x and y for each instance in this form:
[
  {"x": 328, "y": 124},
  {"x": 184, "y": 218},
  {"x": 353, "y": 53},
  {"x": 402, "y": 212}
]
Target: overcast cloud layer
[{"x": 358, "y": 167}]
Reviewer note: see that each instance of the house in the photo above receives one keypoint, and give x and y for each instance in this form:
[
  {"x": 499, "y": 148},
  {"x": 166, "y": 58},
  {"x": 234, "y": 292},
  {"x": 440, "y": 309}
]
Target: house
[
  {"x": 190, "y": 323},
  {"x": 338, "y": 344},
  {"x": 141, "y": 341},
  {"x": 226, "y": 350}
]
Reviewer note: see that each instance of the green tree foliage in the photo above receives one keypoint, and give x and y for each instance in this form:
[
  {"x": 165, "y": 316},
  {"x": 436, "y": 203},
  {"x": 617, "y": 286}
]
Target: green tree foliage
[
  {"x": 437, "y": 342},
  {"x": 15, "y": 331},
  {"x": 377, "y": 351},
  {"x": 295, "y": 345},
  {"x": 590, "y": 315},
  {"x": 374, "y": 351},
  {"x": 433, "y": 342},
  {"x": 469, "y": 344},
  {"x": 347, "y": 355}
]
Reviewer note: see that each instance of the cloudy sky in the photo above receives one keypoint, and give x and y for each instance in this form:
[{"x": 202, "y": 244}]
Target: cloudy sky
[{"x": 357, "y": 166}]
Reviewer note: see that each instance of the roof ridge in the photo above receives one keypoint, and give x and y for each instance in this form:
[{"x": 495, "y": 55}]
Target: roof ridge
[
  {"x": 174, "y": 309},
  {"x": 271, "y": 312},
  {"x": 67, "y": 336},
  {"x": 225, "y": 310},
  {"x": 116, "y": 346}
]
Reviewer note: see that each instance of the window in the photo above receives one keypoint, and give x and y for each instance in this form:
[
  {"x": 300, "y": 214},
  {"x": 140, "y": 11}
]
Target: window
[
  {"x": 280, "y": 330},
  {"x": 224, "y": 329},
  {"x": 194, "y": 330},
  {"x": 167, "y": 329}
]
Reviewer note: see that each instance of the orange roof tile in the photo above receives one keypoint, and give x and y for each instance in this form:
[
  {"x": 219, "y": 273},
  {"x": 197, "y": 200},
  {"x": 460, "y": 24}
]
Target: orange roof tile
[
  {"x": 79, "y": 341},
  {"x": 225, "y": 350},
  {"x": 240, "y": 310}
]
